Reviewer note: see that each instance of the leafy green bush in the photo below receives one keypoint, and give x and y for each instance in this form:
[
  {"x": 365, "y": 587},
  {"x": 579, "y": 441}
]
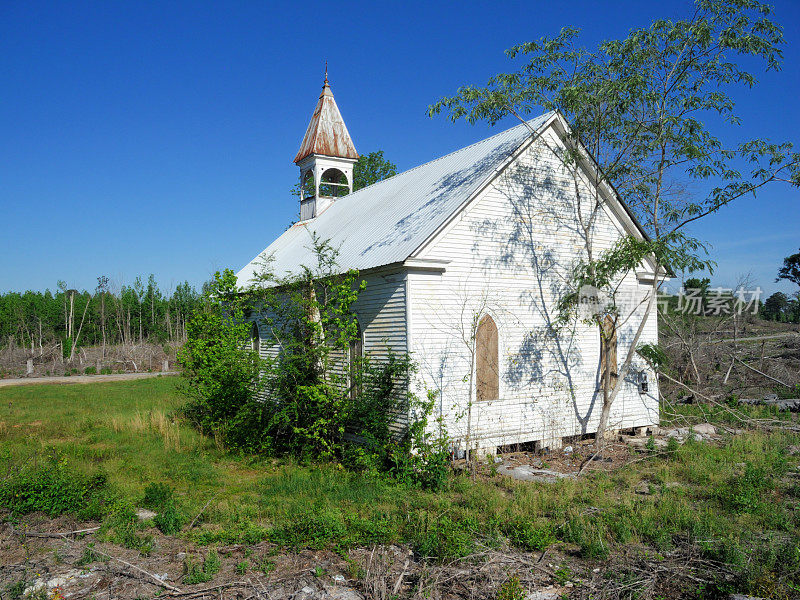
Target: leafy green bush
[
  {"x": 123, "y": 527},
  {"x": 511, "y": 589},
  {"x": 197, "y": 573},
  {"x": 90, "y": 371},
  {"x": 526, "y": 535},
  {"x": 443, "y": 539},
  {"x": 745, "y": 493},
  {"x": 310, "y": 530},
  {"x": 52, "y": 487},
  {"x": 157, "y": 495},
  {"x": 161, "y": 498},
  {"x": 306, "y": 400},
  {"x": 169, "y": 520}
]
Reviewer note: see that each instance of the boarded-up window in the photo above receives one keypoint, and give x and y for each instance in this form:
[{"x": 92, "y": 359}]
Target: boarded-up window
[
  {"x": 356, "y": 353},
  {"x": 487, "y": 360},
  {"x": 255, "y": 338},
  {"x": 608, "y": 349}
]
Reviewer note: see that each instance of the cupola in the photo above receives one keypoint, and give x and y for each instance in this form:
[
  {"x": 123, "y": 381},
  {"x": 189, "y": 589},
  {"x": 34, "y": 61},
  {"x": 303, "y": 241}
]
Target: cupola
[{"x": 326, "y": 157}]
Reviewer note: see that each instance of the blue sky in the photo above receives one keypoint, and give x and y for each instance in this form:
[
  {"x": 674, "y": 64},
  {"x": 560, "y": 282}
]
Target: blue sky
[{"x": 157, "y": 137}]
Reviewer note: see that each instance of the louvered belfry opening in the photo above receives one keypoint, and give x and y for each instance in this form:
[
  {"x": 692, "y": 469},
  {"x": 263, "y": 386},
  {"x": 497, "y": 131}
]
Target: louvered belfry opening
[
  {"x": 608, "y": 349},
  {"x": 487, "y": 360}
]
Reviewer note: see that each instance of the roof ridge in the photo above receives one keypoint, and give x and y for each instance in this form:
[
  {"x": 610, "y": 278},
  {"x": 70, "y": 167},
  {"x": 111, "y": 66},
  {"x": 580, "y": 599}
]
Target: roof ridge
[{"x": 433, "y": 160}]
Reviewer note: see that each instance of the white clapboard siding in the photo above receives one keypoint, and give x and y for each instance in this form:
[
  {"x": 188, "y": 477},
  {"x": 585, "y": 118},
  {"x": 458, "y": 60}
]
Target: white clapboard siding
[
  {"x": 510, "y": 252},
  {"x": 381, "y": 312}
]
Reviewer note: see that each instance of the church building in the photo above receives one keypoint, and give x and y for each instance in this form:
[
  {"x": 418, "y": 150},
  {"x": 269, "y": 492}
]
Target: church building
[{"x": 465, "y": 258}]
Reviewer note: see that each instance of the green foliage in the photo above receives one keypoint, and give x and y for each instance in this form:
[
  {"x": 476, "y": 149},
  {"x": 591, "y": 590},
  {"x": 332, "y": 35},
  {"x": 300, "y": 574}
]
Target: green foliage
[
  {"x": 161, "y": 497},
  {"x": 16, "y": 590},
  {"x": 90, "y": 371},
  {"x": 790, "y": 271},
  {"x": 511, "y": 589},
  {"x": 444, "y": 539},
  {"x": 304, "y": 400},
  {"x": 52, "y": 487},
  {"x": 745, "y": 492},
  {"x": 195, "y": 572},
  {"x": 672, "y": 445},
  {"x": 654, "y": 354},
  {"x": 220, "y": 369},
  {"x": 157, "y": 495},
  {"x": 372, "y": 168},
  {"x": 122, "y": 526},
  {"x": 169, "y": 519},
  {"x": 527, "y": 535},
  {"x": 779, "y": 307},
  {"x": 563, "y": 574}
]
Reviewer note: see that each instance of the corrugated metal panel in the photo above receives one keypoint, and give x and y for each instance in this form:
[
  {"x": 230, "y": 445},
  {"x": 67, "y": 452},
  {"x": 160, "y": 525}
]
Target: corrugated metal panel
[
  {"x": 326, "y": 133},
  {"x": 385, "y": 222}
]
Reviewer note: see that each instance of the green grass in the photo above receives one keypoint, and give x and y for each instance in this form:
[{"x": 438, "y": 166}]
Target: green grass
[{"x": 732, "y": 500}]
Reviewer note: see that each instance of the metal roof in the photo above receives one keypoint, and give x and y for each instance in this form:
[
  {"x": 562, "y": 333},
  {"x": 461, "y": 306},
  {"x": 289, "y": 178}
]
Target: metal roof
[
  {"x": 326, "y": 133},
  {"x": 386, "y": 222}
]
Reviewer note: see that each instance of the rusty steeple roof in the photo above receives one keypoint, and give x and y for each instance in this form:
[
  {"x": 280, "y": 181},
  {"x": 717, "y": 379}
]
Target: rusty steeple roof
[{"x": 327, "y": 134}]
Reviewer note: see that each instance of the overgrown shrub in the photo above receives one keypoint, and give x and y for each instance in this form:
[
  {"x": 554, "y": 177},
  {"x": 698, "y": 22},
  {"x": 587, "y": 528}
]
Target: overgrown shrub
[
  {"x": 50, "y": 485},
  {"x": 443, "y": 538},
  {"x": 310, "y": 530},
  {"x": 123, "y": 527},
  {"x": 312, "y": 399},
  {"x": 745, "y": 493},
  {"x": 161, "y": 498},
  {"x": 527, "y": 535},
  {"x": 220, "y": 373},
  {"x": 201, "y": 573},
  {"x": 156, "y": 495},
  {"x": 511, "y": 589}
]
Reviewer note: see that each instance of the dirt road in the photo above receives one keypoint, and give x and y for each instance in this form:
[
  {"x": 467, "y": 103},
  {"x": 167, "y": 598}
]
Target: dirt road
[{"x": 82, "y": 378}]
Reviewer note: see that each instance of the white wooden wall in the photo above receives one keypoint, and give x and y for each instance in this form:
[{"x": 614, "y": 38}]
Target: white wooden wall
[
  {"x": 510, "y": 252},
  {"x": 381, "y": 312}
]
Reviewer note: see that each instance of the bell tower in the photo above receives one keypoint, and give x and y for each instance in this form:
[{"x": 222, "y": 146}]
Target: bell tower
[{"x": 326, "y": 157}]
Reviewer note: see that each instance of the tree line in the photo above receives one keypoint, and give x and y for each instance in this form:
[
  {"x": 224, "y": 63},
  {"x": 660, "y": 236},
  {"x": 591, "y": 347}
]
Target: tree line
[{"x": 69, "y": 318}]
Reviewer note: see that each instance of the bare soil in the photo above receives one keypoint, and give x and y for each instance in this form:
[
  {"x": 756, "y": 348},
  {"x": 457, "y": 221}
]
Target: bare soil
[{"x": 41, "y": 552}]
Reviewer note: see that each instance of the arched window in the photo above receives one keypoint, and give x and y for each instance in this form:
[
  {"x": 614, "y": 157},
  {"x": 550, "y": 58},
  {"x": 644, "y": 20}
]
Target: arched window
[
  {"x": 255, "y": 338},
  {"x": 308, "y": 188},
  {"x": 608, "y": 352},
  {"x": 487, "y": 360},
  {"x": 333, "y": 184},
  {"x": 356, "y": 353}
]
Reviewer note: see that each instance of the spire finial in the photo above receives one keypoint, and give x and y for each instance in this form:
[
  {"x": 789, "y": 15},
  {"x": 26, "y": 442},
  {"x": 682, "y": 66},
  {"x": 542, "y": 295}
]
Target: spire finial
[{"x": 326, "y": 72}]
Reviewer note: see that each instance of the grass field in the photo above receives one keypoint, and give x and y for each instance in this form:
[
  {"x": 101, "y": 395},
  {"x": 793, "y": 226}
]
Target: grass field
[{"x": 734, "y": 502}]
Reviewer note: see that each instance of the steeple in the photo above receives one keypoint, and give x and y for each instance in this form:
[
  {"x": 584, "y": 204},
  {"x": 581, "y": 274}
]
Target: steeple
[{"x": 326, "y": 157}]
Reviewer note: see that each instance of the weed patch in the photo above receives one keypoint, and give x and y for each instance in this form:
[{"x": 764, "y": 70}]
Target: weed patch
[
  {"x": 195, "y": 572},
  {"x": 54, "y": 488},
  {"x": 444, "y": 539}
]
